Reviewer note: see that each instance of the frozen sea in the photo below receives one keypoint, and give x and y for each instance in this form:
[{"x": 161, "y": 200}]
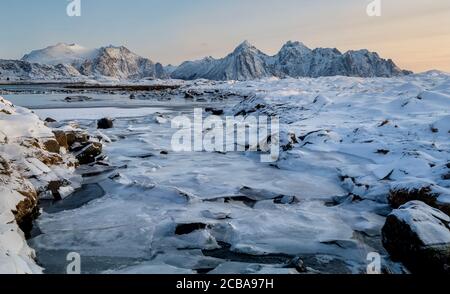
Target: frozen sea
[{"x": 158, "y": 211}]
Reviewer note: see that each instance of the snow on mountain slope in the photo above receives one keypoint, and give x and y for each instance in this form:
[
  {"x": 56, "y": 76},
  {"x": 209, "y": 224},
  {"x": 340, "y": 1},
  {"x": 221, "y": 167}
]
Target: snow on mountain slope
[
  {"x": 293, "y": 60},
  {"x": 363, "y": 63},
  {"x": 106, "y": 62},
  {"x": 13, "y": 70},
  {"x": 191, "y": 70},
  {"x": 119, "y": 62},
  {"x": 245, "y": 63},
  {"x": 60, "y": 53}
]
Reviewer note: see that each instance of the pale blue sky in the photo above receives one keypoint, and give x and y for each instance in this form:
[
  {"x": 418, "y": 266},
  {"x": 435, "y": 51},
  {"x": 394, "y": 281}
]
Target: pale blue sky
[{"x": 415, "y": 33}]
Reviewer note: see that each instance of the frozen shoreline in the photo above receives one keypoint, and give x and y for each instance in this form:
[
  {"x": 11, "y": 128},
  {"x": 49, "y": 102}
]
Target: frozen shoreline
[{"x": 357, "y": 140}]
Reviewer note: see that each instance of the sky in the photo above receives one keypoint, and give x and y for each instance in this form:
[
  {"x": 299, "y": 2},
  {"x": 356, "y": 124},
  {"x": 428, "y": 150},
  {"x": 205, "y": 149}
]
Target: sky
[{"x": 414, "y": 33}]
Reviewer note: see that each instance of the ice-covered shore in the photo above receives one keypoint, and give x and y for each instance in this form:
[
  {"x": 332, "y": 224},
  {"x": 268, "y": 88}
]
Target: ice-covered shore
[
  {"x": 396, "y": 130},
  {"x": 29, "y": 165},
  {"x": 352, "y": 150}
]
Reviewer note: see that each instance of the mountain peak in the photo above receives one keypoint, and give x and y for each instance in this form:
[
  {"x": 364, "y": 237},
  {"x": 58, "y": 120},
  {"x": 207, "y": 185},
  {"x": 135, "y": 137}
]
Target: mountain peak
[
  {"x": 60, "y": 53},
  {"x": 245, "y": 46},
  {"x": 294, "y": 44}
]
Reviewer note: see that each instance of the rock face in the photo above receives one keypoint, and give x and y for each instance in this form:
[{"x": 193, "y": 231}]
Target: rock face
[
  {"x": 419, "y": 236},
  {"x": 293, "y": 60}
]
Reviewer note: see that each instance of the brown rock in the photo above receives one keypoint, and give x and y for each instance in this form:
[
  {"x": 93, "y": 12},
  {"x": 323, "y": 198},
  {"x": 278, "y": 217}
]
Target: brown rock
[
  {"x": 5, "y": 168},
  {"x": 61, "y": 138},
  {"x": 76, "y": 137},
  {"x": 27, "y": 210},
  {"x": 51, "y": 145}
]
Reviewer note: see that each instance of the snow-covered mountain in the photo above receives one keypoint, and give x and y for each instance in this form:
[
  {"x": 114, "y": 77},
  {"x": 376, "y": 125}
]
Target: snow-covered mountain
[
  {"x": 191, "y": 70},
  {"x": 119, "y": 62},
  {"x": 60, "y": 53},
  {"x": 293, "y": 60},
  {"x": 246, "y": 62},
  {"x": 22, "y": 70},
  {"x": 110, "y": 62}
]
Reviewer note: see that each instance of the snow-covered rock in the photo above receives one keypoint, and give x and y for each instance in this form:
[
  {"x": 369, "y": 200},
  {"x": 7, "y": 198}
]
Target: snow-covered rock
[
  {"x": 419, "y": 236},
  {"x": 27, "y": 169}
]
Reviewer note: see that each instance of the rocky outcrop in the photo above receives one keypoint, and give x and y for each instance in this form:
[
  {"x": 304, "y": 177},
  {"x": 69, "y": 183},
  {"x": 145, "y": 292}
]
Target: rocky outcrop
[
  {"x": 419, "y": 236},
  {"x": 34, "y": 164}
]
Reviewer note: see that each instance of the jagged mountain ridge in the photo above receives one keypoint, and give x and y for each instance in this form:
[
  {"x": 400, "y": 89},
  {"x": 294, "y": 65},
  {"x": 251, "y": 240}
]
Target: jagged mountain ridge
[
  {"x": 246, "y": 62},
  {"x": 293, "y": 60}
]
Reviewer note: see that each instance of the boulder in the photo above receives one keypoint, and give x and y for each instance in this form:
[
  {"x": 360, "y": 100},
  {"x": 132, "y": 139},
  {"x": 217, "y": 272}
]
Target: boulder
[
  {"x": 76, "y": 137},
  {"x": 105, "y": 123},
  {"x": 79, "y": 98},
  {"x": 61, "y": 138},
  {"x": 54, "y": 186},
  {"x": 418, "y": 236},
  {"x": 49, "y": 120},
  {"x": 52, "y": 145},
  {"x": 89, "y": 153},
  {"x": 214, "y": 111}
]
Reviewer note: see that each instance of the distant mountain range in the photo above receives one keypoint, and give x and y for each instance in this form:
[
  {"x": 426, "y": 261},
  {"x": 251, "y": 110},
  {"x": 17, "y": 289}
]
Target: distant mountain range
[
  {"x": 293, "y": 60},
  {"x": 246, "y": 62}
]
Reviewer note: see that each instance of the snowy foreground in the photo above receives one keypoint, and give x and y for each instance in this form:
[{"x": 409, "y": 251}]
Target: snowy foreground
[
  {"x": 348, "y": 146},
  {"x": 26, "y": 169}
]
